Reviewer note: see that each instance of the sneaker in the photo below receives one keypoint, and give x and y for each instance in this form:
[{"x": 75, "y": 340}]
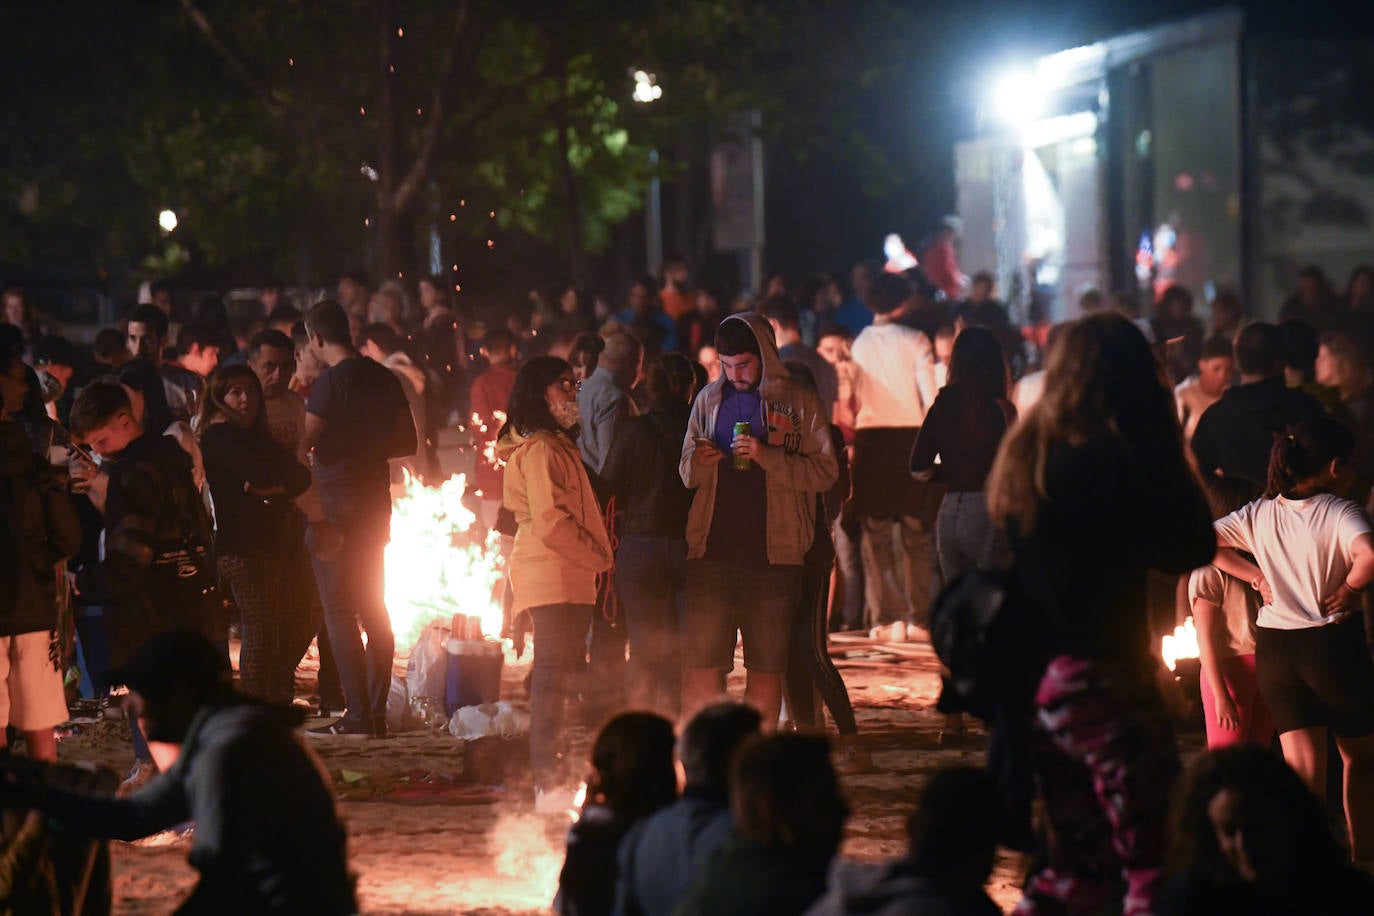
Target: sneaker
[
  {"x": 381, "y": 731},
  {"x": 553, "y": 802},
  {"x": 898, "y": 631},
  {"x": 340, "y": 728},
  {"x": 143, "y": 772}
]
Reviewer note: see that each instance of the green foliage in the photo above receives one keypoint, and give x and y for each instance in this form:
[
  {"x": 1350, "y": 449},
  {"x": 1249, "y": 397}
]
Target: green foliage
[{"x": 257, "y": 121}]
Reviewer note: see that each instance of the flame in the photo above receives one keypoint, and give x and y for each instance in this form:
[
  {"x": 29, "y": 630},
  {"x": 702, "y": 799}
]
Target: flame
[
  {"x": 1182, "y": 644},
  {"x": 439, "y": 562},
  {"x": 579, "y": 799}
]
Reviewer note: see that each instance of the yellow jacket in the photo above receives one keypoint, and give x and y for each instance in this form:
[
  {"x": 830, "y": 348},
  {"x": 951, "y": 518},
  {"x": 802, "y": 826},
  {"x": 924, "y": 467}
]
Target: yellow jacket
[{"x": 562, "y": 543}]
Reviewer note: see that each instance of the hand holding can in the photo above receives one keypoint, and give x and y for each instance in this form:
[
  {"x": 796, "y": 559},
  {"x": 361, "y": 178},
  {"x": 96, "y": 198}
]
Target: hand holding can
[{"x": 742, "y": 429}]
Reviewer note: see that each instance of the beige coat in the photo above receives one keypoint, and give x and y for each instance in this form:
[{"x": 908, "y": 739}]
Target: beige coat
[
  {"x": 562, "y": 543},
  {"x": 802, "y": 464}
]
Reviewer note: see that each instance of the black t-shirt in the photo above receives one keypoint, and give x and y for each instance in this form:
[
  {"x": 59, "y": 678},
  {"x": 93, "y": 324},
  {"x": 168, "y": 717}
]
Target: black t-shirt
[{"x": 361, "y": 402}]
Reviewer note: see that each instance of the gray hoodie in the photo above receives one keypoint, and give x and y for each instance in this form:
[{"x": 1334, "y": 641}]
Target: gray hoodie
[{"x": 802, "y": 465}]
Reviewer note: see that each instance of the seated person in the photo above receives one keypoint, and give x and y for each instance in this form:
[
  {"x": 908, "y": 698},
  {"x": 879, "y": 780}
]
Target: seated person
[
  {"x": 662, "y": 856},
  {"x": 267, "y": 837},
  {"x": 953, "y": 836},
  {"x": 789, "y": 819}
]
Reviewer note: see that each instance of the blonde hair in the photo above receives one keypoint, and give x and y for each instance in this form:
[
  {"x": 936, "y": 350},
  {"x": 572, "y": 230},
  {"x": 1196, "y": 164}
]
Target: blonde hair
[{"x": 1103, "y": 383}]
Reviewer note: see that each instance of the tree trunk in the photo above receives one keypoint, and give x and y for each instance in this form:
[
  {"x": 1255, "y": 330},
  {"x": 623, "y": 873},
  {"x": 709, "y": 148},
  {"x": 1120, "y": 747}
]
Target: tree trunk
[{"x": 390, "y": 255}]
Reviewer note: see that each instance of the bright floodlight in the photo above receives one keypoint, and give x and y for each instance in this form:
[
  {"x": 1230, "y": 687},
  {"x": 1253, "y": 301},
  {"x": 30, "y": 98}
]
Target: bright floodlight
[
  {"x": 647, "y": 88},
  {"x": 167, "y": 220},
  {"x": 1018, "y": 97}
]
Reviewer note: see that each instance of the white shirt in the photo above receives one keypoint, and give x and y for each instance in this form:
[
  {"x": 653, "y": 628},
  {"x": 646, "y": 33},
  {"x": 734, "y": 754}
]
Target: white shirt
[
  {"x": 1192, "y": 402},
  {"x": 1303, "y": 547},
  {"x": 894, "y": 376}
]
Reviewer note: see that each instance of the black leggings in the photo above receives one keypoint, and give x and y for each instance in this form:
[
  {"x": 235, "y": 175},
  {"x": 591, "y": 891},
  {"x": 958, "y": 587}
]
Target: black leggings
[{"x": 809, "y": 666}]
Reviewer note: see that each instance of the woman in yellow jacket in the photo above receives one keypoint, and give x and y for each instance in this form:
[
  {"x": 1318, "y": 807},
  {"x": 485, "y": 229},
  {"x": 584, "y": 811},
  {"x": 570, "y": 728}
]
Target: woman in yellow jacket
[{"x": 560, "y": 548}]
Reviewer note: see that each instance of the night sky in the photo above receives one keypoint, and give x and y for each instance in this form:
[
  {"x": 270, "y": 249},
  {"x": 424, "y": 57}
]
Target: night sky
[{"x": 817, "y": 217}]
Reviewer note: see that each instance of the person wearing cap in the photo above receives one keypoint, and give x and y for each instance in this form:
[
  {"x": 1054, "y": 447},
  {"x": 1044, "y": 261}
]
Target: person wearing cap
[{"x": 268, "y": 839}]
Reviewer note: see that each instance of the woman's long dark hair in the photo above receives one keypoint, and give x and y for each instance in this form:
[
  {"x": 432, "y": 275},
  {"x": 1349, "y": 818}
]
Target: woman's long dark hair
[
  {"x": 1103, "y": 383},
  {"x": 212, "y": 404},
  {"x": 1261, "y": 780},
  {"x": 1305, "y": 451},
  {"x": 977, "y": 367},
  {"x": 632, "y": 762},
  {"x": 528, "y": 410}
]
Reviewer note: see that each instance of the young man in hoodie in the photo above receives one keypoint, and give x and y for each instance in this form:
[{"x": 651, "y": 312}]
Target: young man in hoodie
[{"x": 752, "y": 517}]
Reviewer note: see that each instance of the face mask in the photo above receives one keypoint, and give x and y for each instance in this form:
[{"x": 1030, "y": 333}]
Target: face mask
[{"x": 566, "y": 413}]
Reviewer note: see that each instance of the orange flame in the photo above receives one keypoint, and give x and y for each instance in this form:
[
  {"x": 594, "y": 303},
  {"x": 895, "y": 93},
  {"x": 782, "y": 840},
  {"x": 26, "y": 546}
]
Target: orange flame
[{"x": 439, "y": 562}]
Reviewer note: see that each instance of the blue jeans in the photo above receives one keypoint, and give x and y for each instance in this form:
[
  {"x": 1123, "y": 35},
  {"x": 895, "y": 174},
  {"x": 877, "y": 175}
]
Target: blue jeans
[
  {"x": 94, "y": 647},
  {"x": 351, "y": 589},
  {"x": 651, "y": 578},
  {"x": 560, "y": 652}
]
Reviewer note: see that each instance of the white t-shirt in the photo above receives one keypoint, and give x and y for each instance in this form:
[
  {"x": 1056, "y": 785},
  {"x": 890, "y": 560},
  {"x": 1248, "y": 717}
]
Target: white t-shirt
[
  {"x": 1028, "y": 391},
  {"x": 894, "y": 376},
  {"x": 1237, "y": 602},
  {"x": 1303, "y": 548}
]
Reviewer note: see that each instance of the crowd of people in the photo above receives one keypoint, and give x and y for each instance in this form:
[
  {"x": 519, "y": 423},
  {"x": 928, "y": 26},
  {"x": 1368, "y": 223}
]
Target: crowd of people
[{"x": 680, "y": 477}]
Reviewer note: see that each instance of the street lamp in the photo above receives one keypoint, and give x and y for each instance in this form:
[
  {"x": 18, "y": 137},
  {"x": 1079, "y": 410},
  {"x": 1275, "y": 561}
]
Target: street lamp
[
  {"x": 647, "y": 91},
  {"x": 167, "y": 219}
]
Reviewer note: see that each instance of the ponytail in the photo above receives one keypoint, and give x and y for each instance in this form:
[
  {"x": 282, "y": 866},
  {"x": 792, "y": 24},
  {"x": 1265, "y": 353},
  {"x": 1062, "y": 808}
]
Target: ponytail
[{"x": 1304, "y": 451}]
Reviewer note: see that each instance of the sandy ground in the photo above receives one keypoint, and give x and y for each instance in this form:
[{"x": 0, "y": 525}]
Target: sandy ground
[{"x": 425, "y": 838}]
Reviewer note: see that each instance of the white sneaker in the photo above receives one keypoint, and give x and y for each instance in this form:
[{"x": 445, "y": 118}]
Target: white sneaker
[
  {"x": 898, "y": 631},
  {"x": 144, "y": 772},
  {"x": 553, "y": 802}
]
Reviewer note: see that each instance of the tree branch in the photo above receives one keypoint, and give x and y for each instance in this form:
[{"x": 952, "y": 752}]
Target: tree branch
[
  {"x": 233, "y": 61},
  {"x": 463, "y": 46}
]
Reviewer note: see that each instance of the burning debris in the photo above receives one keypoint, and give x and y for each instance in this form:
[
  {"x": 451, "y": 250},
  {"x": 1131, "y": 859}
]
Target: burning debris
[
  {"x": 440, "y": 562},
  {"x": 1182, "y": 644}
]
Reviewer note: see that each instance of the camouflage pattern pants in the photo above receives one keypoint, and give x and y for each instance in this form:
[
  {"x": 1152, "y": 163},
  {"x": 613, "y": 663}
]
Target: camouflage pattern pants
[{"x": 1105, "y": 761}]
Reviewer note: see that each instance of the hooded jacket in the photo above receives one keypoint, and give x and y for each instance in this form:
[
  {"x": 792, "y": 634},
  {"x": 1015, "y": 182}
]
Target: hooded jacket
[
  {"x": 894, "y": 889},
  {"x": 801, "y": 463},
  {"x": 38, "y": 529},
  {"x": 561, "y": 545}
]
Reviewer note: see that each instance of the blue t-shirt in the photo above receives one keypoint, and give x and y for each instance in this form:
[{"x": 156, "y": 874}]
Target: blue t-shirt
[
  {"x": 851, "y": 313},
  {"x": 739, "y": 522}
]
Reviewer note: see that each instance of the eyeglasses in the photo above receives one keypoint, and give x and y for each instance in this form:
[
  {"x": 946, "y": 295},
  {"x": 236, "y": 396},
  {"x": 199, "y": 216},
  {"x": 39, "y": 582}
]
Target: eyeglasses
[{"x": 570, "y": 386}]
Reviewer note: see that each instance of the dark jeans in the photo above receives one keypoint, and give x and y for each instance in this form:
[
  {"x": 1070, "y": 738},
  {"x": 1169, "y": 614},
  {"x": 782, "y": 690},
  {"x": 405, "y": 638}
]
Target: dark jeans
[
  {"x": 352, "y": 591},
  {"x": 560, "y": 650},
  {"x": 95, "y": 650},
  {"x": 810, "y": 669},
  {"x": 651, "y": 577}
]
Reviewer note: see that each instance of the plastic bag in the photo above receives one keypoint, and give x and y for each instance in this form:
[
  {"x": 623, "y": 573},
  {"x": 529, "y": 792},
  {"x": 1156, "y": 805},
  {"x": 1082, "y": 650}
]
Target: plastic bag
[
  {"x": 469, "y": 722},
  {"x": 427, "y": 670},
  {"x": 397, "y": 704}
]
